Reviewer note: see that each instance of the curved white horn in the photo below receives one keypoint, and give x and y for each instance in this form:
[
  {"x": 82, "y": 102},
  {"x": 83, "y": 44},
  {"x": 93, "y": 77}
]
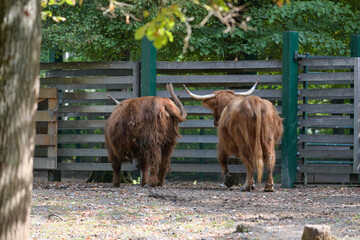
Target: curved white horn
[
  {"x": 112, "y": 98},
  {"x": 199, "y": 97},
  {"x": 249, "y": 91}
]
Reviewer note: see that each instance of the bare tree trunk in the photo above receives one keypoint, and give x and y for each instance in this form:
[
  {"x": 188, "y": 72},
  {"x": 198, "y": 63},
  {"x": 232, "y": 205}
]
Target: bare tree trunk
[{"x": 20, "y": 25}]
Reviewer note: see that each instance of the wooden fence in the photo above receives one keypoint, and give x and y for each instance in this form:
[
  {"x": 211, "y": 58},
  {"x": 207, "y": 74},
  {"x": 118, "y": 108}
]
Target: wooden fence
[{"x": 327, "y": 117}]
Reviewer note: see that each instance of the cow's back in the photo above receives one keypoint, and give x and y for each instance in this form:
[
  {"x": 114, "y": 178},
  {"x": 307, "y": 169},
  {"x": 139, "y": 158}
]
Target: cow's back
[{"x": 140, "y": 124}]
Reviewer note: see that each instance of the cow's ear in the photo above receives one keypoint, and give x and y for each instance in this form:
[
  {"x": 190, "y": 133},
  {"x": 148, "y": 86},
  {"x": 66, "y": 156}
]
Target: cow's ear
[{"x": 209, "y": 103}]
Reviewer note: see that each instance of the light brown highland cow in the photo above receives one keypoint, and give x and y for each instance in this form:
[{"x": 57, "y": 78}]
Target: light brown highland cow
[{"x": 249, "y": 128}]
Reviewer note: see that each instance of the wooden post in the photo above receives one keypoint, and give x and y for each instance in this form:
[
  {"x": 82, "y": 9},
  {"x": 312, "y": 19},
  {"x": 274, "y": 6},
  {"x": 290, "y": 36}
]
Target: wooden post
[
  {"x": 148, "y": 68},
  {"x": 289, "y": 110},
  {"x": 54, "y": 175}
]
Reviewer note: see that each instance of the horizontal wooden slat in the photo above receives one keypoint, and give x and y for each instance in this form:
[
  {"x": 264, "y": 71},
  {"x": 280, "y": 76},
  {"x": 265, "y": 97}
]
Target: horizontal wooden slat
[
  {"x": 88, "y": 65},
  {"x": 99, "y": 138},
  {"x": 89, "y": 72},
  {"x": 81, "y": 96},
  {"x": 327, "y": 108},
  {"x": 48, "y": 93},
  {"x": 94, "y": 167},
  {"x": 333, "y": 93},
  {"x": 260, "y": 65},
  {"x": 107, "y": 109},
  {"x": 45, "y": 163},
  {"x": 214, "y": 168},
  {"x": 320, "y": 63},
  {"x": 43, "y": 116},
  {"x": 267, "y": 94},
  {"x": 325, "y": 168},
  {"x": 82, "y": 152},
  {"x": 93, "y": 81},
  {"x": 45, "y": 139},
  {"x": 81, "y": 124},
  {"x": 327, "y": 78},
  {"x": 327, "y": 123},
  {"x": 178, "y": 153},
  {"x": 214, "y": 80},
  {"x": 304, "y": 153},
  {"x": 326, "y": 138}
]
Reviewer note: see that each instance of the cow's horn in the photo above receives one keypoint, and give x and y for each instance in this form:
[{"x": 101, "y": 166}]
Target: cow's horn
[
  {"x": 199, "y": 97},
  {"x": 112, "y": 98},
  {"x": 249, "y": 91}
]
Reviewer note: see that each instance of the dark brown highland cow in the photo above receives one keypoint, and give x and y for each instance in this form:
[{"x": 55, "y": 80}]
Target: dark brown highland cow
[
  {"x": 248, "y": 127},
  {"x": 145, "y": 128}
]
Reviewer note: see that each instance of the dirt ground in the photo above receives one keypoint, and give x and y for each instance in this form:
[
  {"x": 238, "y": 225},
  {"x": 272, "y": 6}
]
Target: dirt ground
[{"x": 189, "y": 211}]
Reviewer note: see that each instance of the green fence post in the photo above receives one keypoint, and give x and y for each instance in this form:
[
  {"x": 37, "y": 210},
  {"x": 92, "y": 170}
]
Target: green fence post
[
  {"x": 148, "y": 68},
  {"x": 289, "y": 110},
  {"x": 355, "y": 52},
  {"x": 355, "y": 45}
]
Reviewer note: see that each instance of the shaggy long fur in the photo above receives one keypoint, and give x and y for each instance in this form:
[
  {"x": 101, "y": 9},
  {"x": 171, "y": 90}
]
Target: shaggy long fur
[
  {"x": 144, "y": 128},
  {"x": 248, "y": 127}
]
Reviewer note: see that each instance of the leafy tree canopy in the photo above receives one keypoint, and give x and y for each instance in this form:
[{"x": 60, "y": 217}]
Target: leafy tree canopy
[{"x": 324, "y": 28}]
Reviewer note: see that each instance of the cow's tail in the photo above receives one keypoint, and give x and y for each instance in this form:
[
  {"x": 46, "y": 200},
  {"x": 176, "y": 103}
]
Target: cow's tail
[{"x": 259, "y": 164}]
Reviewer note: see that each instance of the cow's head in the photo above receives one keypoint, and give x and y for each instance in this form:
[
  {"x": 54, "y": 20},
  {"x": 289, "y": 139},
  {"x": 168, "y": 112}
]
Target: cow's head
[{"x": 218, "y": 100}]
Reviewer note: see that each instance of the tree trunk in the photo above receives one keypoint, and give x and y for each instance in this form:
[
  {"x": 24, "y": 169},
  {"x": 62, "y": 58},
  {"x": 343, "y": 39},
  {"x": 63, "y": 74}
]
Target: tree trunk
[{"x": 20, "y": 24}]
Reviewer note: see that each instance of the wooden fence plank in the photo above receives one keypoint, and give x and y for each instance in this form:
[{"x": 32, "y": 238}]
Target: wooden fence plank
[
  {"x": 125, "y": 80},
  {"x": 326, "y": 138},
  {"x": 333, "y": 93},
  {"x": 324, "y": 63},
  {"x": 325, "y": 168},
  {"x": 327, "y": 78},
  {"x": 327, "y": 108},
  {"x": 48, "y": 93},
  {"x": 42, "y": 116},
  {"x": 45, "y": 163},
  {"x": 214, "y": 80},
  {"x": 99, "y": 138},
  {"x": 90, "y": 97},
  {"x": 107, "y": 109},
  {"x": 317, "y": 154},
  {"x": 268, "y": 94},
  {"x": 88, "y": 65},
  {"x": 45, "y": 140},
  {"x": 81, "y": 124},
  {"x": 88, "y": 72},
  {"x": 94, "y": 167},
  {"x": 326, "y": 123},
  {"x": 261, "y": 65}
]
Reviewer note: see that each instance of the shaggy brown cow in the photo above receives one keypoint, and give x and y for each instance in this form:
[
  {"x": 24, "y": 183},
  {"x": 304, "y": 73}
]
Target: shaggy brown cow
[
  {"x": 145, "y": 128},
  {"x": 248, "y": 127}
]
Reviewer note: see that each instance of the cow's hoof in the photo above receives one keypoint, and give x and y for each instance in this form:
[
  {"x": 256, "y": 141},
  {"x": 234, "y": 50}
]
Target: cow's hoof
[
  {"x": 269, "y": 188},
  {"x": 229, "y": 181},
  {"x": 247, "y": 188}
]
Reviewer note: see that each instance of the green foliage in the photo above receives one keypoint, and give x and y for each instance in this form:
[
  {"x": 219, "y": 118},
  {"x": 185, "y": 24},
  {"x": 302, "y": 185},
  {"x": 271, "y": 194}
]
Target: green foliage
[
  {"x": 324, "y": 28},
  {"x": 159, "y": 29}
]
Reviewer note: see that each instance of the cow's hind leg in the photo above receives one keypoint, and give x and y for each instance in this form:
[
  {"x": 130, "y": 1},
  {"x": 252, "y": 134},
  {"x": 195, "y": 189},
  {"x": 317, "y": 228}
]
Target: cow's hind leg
[
  {"x": 269, "y": 165},
  {"x": 143, "y": 164},
  {"x": 223, "y": 159},
  {"x": 249, "y": 183},
  {"x": 154, "y": 164},
  {"x": 116, "y": 166},
  {"x": 165, "y": 164}
]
